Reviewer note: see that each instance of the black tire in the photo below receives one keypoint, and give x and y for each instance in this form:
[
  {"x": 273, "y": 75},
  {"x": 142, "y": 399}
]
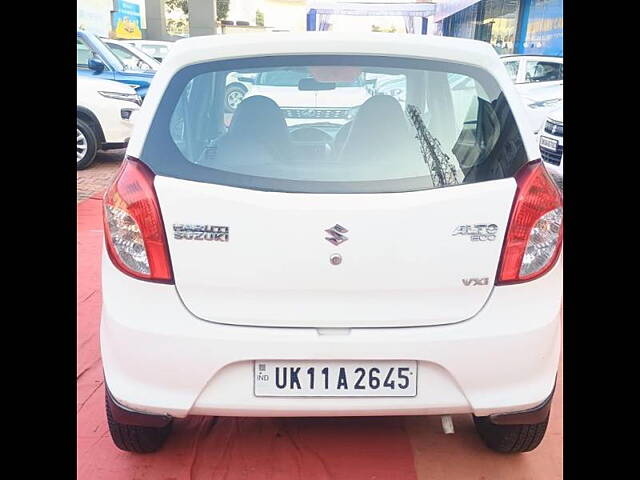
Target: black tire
[
  {"x": 510, "y": 438},
  {"x": 233, "y": 90},
  {"x": 91, "y": 144},
  {"x": 133, "y": 438}
]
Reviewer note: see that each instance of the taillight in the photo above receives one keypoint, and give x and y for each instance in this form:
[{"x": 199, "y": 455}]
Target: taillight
[
  {"x": 133, "y": 227},
  {"x": 534, "y": 236}
]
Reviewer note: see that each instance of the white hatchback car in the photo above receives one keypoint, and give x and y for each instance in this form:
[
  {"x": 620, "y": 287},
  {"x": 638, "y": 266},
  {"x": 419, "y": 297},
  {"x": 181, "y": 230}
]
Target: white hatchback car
[
  {"x": 407, "y": 262},
  {"x": 104, "y": 117}
]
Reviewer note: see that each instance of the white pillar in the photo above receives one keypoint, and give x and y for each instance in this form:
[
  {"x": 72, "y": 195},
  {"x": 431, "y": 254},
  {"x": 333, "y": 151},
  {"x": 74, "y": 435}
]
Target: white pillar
[
  {"x": 156, "y": 21},
  {"x": 202, "y": 17}
]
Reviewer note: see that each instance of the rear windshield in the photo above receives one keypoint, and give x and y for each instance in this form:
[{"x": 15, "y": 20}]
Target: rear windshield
[{"x": 333, "y": 124}]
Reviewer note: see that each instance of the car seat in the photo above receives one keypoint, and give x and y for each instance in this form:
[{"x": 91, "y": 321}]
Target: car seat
[
  {"x": 380, "y": 134},
  {"x": 258, "y": 132}
]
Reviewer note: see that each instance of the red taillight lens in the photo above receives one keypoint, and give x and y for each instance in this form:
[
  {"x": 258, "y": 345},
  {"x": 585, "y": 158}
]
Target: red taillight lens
[
  {"x": 133, "y": 227},
  {"x": 534, "y": 235}
]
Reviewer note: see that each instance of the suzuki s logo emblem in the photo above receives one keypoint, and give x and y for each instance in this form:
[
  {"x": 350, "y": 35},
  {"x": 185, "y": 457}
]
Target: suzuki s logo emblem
[{"x": 336, "y": 233}]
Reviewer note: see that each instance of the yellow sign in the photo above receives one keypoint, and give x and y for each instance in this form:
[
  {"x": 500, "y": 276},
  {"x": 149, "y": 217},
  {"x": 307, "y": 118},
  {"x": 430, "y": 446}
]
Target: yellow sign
[{"x": 126, "y": 27}]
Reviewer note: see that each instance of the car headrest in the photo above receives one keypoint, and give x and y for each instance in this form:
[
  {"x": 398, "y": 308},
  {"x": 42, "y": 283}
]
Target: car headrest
[
  {"x": 378, "y": 132},
  {"x": 259, "y": 118}
]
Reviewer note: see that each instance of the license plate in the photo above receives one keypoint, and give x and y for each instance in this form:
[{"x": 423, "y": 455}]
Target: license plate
[
  {"x": 549, "y": 143},
  {"x": 335, "y": 378}
]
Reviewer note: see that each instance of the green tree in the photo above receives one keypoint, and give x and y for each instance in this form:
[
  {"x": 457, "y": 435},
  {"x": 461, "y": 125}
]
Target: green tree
[
  {"x": 222, "y": 7},
  {"x": 259, "y": 18}
]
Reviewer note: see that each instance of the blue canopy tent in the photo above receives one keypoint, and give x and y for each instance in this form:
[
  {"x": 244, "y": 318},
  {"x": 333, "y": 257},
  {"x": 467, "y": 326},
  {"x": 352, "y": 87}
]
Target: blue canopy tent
[{"x": 409, "y": 11}]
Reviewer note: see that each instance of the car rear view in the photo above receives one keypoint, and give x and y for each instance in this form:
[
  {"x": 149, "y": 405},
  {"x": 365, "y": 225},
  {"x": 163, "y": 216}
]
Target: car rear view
[{"x": 377, "y": 258}]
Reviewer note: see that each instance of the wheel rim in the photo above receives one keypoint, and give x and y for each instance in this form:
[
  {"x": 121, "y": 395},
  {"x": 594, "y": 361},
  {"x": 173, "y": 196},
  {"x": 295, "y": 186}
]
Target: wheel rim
[
  {"x": 81, "y": 145},
  {"x": 234, "y": 99}
]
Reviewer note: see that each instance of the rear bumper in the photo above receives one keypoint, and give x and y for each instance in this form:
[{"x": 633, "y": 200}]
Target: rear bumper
[
  {"x": 122, "y": 414},
  {"x": 159, "y": 359},
  {"x": 529, "y": 416}
]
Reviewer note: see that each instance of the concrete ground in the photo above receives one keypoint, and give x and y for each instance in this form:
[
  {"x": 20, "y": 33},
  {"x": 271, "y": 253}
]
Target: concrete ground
[
  {"x": 366, "y": 448},
  {"x": 96, "y": 178}
]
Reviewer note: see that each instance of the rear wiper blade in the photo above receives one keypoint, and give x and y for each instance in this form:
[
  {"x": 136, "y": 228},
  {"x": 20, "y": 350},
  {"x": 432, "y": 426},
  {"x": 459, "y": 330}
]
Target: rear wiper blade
[{"x": 443, "y": 172}]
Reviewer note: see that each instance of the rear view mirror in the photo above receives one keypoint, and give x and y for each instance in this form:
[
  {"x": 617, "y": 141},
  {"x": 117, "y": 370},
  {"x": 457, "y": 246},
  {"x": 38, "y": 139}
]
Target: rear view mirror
[
  {"x": 95, "y": 64},
  {"x": 247, "y": 79},
  {"x": 311, "y": 84}
]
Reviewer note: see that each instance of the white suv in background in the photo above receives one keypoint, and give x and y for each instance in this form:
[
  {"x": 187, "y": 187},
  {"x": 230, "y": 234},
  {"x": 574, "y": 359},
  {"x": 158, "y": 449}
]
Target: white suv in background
[
  {"x": 301, "y": 104},
  {"x": 104, "y": 117},
  {"x": 407, "y": 262}
]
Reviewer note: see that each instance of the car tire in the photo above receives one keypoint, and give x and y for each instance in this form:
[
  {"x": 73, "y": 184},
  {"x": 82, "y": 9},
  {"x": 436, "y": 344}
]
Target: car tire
[
  {"x": 134, "y": 438},
  {"x": 86, "y": 146},
  {"x": 233, "y": 95},
  {"x": 510, "y": 438}
]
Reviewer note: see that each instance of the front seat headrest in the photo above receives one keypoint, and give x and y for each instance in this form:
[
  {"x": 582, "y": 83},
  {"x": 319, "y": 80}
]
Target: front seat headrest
[
  {"x": 259, "y": 119},
  {"x": 379, "y": 132}
]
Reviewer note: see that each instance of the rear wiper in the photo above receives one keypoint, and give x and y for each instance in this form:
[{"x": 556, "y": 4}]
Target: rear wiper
[{"x": 443, "y": 173}]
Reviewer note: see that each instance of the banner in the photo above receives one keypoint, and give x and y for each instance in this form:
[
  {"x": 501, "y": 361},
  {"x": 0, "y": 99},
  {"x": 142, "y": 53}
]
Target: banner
[{"x": 125, "y": 20}]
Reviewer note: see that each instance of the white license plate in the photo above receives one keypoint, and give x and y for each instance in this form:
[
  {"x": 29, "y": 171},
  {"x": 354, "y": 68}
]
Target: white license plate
[
  {"x": 349, "y": 378},
  {"x": 549, "y": 143}
]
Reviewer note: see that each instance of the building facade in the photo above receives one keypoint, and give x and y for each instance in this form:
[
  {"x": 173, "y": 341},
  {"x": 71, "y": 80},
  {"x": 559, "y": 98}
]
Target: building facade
[{"x": 511, "y": 26}]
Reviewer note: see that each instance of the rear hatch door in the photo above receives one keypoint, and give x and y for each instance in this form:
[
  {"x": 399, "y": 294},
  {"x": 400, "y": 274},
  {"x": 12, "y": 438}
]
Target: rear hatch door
[{"x": 407, "y": 259}]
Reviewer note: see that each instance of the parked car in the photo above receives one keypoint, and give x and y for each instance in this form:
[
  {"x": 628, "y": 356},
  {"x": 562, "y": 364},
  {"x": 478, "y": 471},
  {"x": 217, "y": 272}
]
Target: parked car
[
  {"x": 133, "y": 58},
  {"x": 157, "y": 49},
  {"x": 96, "y": 60},
  {"x": 540, "y": 102},
  {"x": 551, "y": 142},
  {"x": 303, "y": 104},
  {"x": 104, "y": 119},
  {"x": 539, "y": 79},
  {"x": 410, "y": 265},
  {"x": 527, "y": 71},
  {"x": 237, "y": 87}
]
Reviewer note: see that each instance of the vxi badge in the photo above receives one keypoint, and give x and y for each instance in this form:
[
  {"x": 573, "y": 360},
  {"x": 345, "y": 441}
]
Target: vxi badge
[
  {"x": 479, "y": 232},
  {"x": 200, "y": 232}
]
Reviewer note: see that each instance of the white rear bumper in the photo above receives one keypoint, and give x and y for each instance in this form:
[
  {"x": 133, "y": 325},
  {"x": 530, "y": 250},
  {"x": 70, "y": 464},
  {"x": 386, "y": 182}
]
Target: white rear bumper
[{"x": 158, "y": 358}]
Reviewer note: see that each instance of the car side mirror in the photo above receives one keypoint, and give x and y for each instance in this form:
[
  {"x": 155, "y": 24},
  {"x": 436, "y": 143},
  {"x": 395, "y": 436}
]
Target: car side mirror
[{"x": 96, "y": 65}]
